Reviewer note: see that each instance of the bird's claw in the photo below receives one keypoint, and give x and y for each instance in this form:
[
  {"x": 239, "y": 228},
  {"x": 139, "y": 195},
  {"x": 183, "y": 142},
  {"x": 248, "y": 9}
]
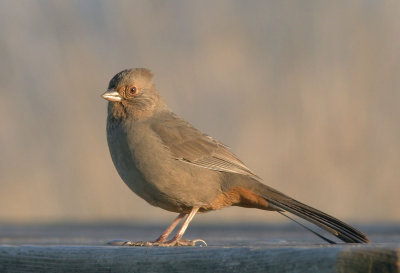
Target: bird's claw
[
  {"x": 181, "y": 242},
  {"x": 201, "y": 241}
]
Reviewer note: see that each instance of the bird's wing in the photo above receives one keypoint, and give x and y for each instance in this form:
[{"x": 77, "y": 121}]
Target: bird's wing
[{"x": 189, "y": 145}]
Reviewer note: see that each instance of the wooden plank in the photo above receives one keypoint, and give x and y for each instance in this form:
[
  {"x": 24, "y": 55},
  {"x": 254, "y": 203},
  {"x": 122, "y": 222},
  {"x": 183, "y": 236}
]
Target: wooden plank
[
  {"x": 177, "y": 259},
  {"x": 369, "y": 259},
  {"x": 197, "y": 259},
  {"x": 233, "y": 248}
]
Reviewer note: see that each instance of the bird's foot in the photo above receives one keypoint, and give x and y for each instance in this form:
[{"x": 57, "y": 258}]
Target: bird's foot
[
  {"x": 181, "y": 242},
  {"x": 130, "y": 243}
]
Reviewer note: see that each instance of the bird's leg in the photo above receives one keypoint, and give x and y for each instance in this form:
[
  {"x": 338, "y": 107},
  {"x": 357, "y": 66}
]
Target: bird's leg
[
  {"x": 163, "y": 237},
  {"x": 177, "y": 240}
]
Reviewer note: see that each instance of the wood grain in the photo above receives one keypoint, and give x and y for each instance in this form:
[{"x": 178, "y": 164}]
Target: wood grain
[{"x": 49, "y": 249}]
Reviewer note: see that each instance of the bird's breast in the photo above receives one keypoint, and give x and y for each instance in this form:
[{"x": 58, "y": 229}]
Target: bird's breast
[{"x": 147, "y": 166}]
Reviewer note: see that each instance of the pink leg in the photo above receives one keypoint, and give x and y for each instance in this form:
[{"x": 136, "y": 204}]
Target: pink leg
[
  {"x": 160, "y": 239},
  {"x": 177, "y": 240},
  {"x": 183, "y": 228},
  {"x": 168, "y": 231}
]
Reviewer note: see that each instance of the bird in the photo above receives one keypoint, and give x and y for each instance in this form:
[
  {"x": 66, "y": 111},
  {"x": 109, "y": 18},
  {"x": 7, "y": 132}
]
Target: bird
[{"x": 174, "y": 166}]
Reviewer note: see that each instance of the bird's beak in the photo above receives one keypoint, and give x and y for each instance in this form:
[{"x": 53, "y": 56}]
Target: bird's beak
[{"x": 112, "y": 95}]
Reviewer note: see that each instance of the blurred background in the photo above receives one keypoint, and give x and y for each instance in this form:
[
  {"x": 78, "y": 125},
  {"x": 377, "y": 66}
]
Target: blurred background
[{"x": 306, "y": 93}]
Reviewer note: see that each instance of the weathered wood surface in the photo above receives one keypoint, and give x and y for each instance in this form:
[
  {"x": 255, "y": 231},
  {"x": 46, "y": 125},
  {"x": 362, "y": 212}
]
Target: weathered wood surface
[{"x": 237, "y": 248}]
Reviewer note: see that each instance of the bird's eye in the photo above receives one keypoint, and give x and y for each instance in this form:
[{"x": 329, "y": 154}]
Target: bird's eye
[{"x": 132, "y": 90}]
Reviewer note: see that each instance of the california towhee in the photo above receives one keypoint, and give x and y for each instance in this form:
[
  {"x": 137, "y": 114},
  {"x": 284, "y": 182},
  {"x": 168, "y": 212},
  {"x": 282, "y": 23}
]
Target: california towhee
[{"x": 174, "y": 166}]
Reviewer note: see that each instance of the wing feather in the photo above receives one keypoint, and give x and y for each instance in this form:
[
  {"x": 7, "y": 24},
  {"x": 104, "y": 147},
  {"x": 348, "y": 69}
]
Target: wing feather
[{"x": 189, "y": 145}]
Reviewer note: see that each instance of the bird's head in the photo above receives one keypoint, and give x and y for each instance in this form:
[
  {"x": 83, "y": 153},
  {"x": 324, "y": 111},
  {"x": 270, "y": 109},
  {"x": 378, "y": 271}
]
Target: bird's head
[{"x": 131, "y": 92}]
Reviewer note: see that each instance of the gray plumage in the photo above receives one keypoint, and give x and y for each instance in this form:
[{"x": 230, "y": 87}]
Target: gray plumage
[{"x": 174, "y": 166}]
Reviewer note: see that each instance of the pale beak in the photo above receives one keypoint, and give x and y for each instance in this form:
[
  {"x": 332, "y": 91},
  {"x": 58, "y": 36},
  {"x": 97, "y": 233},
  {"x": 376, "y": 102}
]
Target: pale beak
[{"x": 112, "y": 95}]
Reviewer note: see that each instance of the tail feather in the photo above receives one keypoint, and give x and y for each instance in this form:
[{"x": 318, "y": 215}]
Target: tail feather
[
  {"x": 307, "y": 228},
  {"x": 329, "y": 223}
]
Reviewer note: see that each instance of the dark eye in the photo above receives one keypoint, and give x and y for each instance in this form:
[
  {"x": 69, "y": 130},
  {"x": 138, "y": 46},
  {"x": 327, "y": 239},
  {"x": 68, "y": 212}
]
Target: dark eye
[{"x": 132, "y": 90}]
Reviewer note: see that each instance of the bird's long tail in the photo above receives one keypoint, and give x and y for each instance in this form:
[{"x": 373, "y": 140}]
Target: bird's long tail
[{"x": 329, "y": 223}]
